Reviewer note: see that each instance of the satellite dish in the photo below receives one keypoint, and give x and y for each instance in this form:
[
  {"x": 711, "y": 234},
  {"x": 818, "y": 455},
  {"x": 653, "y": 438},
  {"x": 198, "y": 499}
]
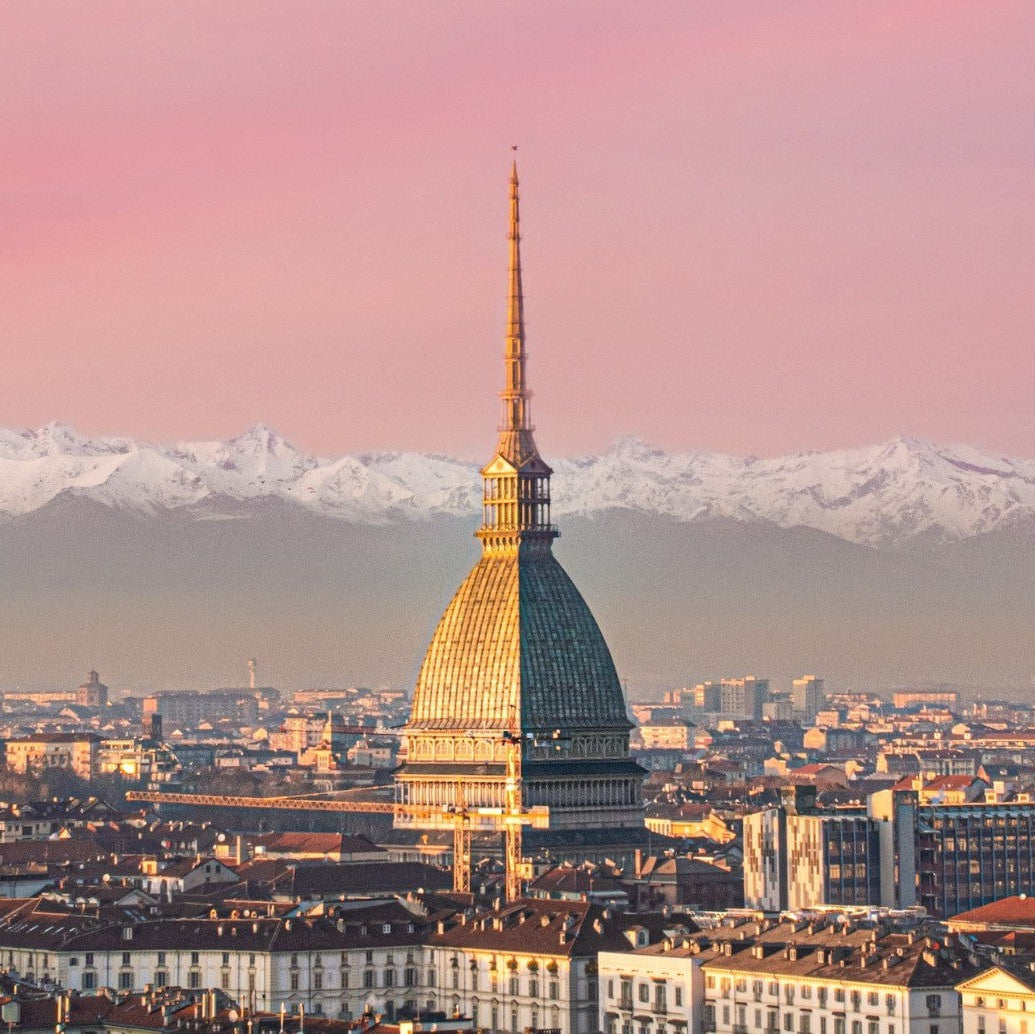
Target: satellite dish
[
  {"x": 106, "y": 878},
  {"x": 221, "y": 838},
  {"x": 232, "y": 1016}
]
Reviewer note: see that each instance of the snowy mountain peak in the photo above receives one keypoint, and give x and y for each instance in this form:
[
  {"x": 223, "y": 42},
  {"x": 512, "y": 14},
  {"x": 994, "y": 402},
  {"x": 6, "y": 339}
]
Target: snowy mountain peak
[
  {"x": 260, "y": 438},
  {"x": 882, "y": 495}
]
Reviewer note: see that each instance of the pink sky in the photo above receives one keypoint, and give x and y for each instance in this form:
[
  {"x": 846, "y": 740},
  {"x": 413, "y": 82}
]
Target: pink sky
[{"x": 751, "y": 227}]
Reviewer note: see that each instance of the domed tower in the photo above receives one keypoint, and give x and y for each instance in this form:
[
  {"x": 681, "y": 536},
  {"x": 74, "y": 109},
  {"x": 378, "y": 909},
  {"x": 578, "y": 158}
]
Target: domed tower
[
  {"x": 517, "y": 654},
  {"x": 92, "y": 693}
]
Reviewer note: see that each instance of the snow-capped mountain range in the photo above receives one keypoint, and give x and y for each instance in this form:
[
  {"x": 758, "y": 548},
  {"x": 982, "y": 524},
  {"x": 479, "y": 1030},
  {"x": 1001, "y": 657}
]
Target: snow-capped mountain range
[{"x": 880, "y": 496}]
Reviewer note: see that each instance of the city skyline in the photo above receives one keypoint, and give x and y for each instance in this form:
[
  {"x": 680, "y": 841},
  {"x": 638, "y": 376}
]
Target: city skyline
[{"x": 751, "y": 231}]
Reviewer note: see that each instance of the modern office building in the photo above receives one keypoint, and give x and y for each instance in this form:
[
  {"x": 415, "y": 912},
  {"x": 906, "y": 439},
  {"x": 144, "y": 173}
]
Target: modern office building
[{"x": 798, "y": 857}]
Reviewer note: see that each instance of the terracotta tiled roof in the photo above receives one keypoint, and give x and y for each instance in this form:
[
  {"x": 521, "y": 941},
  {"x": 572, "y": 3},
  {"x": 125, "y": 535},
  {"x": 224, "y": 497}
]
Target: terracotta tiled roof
[
  {"x": 315, "y": 843},
  {"x": 1016, "y": 912}
]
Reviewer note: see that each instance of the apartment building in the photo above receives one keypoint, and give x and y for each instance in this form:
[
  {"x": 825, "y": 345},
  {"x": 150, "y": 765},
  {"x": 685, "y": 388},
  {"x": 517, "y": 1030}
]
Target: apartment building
[
  {"x": 786, "y": 978},
  {"x": 331, "y": 965},
  {"x": 658, "y": 989},
  {"x": 849, "y": 983},
  {"x": 533, "y": 964},
  {"x": 1000, "y": 1000},
  {"x": 743, "y": 697},
  {"x": 46, "y": 751}
]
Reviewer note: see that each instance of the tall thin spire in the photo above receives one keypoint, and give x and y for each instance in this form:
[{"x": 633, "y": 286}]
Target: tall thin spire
[
  {"x": 515, "y": 394},
  {"x": 516, "y": 503}
]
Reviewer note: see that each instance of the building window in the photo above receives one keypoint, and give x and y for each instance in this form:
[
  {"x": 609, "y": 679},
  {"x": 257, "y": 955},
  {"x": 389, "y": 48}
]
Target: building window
[
  {"x": 515, "y": 986},
  {"x": 89, "y": 981},
  {"x": 788, "y": 1021},
  {"x": 368, "y": 978},
  {"x": 195, "y": 958},
  {"x": 934, "y": 1004},
  {"x": 293, "y": 980},
  {"x": 161, "y": 958},
  {"x": 533, "y": 990},
  {"x": 194, "y": 980},
  {"x": 224, "y": 980},
  {"x": 389, "y": 978},
  {"x": 410, "y": 977},
  {"x": 554, "y": 990},
  {"x": 317, "y": 980},
  {"x": 643, "y": 992},
  {"x": 161, "y": 978},
  {"x": 126, "y": 958},
  {"x": 226, "y": 958}
]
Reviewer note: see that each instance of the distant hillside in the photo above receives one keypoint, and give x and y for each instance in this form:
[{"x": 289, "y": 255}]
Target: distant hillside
[{"x": 180, "y": 597}]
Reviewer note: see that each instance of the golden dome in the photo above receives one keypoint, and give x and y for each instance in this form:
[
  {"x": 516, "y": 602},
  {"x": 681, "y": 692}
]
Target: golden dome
[{"x": 518, "y": 648}]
